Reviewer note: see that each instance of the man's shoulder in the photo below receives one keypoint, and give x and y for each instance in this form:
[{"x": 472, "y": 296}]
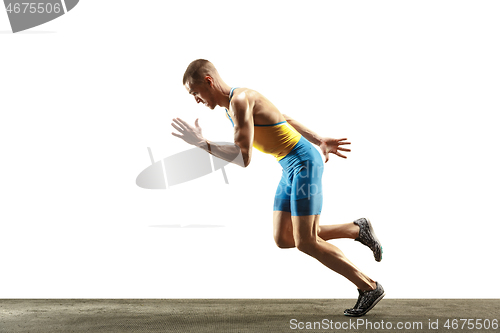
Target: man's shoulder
[
  {"x": 244, "y": 98},
  {"x": 244, "y": 93}
]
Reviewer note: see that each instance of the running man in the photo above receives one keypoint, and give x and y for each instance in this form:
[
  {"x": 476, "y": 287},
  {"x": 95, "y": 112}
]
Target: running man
[{"x": 298, "y": 201}]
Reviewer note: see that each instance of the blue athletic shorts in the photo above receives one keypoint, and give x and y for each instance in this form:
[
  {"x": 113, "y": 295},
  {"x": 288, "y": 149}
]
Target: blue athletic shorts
[{"x": 300, "y": 191}]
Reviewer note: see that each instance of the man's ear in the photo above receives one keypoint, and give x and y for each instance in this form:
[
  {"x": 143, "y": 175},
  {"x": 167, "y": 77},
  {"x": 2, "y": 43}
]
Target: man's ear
[{"x": 209, "y": 80}]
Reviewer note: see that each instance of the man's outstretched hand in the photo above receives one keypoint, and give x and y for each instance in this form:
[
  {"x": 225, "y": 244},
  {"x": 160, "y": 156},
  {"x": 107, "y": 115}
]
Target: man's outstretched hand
[
  {"x": 329, "y": 145},
  {"x": 188, "y": 133}
]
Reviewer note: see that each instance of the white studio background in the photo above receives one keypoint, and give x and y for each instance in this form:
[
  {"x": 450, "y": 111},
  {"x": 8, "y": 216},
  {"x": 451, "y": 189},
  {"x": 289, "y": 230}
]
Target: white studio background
[{"x": 413, "y": 85}]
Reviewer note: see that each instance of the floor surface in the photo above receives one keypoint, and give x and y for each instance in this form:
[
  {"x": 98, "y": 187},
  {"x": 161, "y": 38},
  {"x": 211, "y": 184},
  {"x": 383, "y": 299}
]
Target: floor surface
[{"x": 246, "y": 315}]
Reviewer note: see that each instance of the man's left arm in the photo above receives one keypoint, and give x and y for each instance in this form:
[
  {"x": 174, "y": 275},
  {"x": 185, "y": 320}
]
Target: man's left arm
[
  {"x": 304, "y": 131},
  {"x": 327, "y": 145}
]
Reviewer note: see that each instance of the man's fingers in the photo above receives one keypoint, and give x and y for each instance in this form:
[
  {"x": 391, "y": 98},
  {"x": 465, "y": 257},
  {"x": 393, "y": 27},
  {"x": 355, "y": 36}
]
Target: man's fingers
[
  {"x": 343, "y": 149},
  {"x": 177, "y": 135},
  {"x": 344, "y": 143},
  {"x": 339, "y": 154},
  {"x": 182, "y": 122},
  {"x": 178, "y": 123},
  {"x": 177, "y": 127},
  {"x": 196, "y": 123}
]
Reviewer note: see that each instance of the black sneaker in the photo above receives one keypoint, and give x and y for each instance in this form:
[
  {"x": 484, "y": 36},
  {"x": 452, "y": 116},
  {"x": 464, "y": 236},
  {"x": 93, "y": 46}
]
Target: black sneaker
[
  {"x": 368, "y": 238},
  {"x": 366, "y": 301}
]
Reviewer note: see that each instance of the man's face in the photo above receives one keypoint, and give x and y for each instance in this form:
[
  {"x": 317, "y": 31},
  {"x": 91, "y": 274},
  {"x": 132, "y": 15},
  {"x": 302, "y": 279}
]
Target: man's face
[{"x": 201, "y": 93}]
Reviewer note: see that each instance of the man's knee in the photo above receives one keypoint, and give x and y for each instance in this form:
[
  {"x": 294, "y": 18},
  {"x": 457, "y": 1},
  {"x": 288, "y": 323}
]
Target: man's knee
[
  {"x": 284, "y": 242},
  {"x": 306, "y": 245}
]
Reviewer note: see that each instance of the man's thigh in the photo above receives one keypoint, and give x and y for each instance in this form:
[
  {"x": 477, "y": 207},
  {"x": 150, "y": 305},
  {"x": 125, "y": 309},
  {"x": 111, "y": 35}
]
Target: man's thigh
[
  {"x": 282, "y": 228},
  {"x": 305, "y": 228}
]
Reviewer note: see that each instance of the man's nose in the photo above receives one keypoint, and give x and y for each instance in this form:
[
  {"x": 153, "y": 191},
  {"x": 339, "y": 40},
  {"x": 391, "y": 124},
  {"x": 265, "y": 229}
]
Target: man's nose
[{"x": 197, "y": 99}]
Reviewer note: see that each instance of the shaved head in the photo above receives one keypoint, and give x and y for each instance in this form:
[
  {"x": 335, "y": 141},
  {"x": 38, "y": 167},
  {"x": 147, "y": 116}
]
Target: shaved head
[
  {"x": 198, "y": 70},
  {"x": 202, "y": 80}
]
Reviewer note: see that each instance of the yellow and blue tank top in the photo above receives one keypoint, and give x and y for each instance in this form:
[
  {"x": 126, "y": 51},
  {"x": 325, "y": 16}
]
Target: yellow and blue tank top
[{"x": 275, "y": 139}]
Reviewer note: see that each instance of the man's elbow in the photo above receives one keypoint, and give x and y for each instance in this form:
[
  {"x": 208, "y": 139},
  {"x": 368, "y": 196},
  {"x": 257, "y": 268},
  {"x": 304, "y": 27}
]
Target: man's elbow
[
  {"x": 244, "y": 156},
  {"x": 246, "y": 160},
  {"x": 242, "y": 159}
]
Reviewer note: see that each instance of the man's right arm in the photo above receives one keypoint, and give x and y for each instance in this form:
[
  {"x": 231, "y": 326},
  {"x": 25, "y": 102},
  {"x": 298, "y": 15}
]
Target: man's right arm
[
  {"x": 241, "y": 152},
  {"x": 192, "y": 135},
  {"x": 227, "y": 152}
]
